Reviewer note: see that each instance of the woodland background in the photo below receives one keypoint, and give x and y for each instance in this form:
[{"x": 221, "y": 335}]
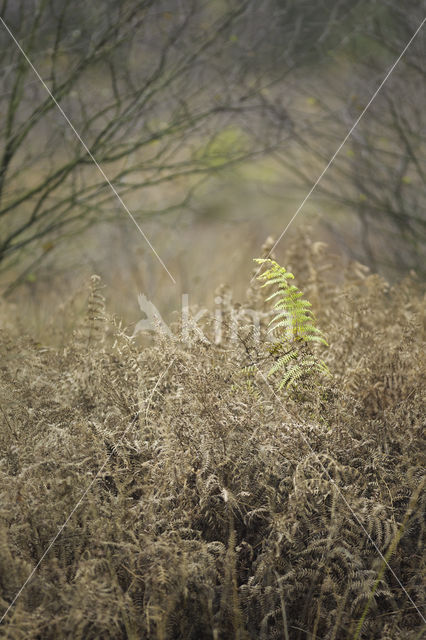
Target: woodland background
[
  {"x": 212, "y": 120},
  {"x": 166, "y": 488}
]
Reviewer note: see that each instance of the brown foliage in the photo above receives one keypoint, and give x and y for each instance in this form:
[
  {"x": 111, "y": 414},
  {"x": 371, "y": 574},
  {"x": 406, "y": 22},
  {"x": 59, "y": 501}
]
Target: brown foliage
[{"x": 198, "y": 505}]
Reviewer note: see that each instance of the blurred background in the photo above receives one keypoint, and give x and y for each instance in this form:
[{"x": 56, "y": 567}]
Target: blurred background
[{"x": 212, "y": 120}]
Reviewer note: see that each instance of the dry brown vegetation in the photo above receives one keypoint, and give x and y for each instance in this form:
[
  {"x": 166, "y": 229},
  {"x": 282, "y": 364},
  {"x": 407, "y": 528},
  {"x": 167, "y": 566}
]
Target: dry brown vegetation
[{"x": 199, "y": 503}]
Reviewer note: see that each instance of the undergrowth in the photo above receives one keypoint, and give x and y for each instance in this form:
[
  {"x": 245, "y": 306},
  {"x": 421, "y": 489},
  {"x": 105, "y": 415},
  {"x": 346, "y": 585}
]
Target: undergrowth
[{"x": 203, "y": 501}]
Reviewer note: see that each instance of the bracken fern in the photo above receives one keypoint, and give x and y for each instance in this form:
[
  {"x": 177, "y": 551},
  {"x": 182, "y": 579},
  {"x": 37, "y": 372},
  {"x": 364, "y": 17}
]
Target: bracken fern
[
  {"x": 205, "y": 509},
  {"x": 294, "y": 327}
]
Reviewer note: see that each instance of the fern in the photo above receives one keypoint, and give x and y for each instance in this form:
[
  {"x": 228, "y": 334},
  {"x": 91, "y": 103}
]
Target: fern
[{"x": 294, "y": 325}]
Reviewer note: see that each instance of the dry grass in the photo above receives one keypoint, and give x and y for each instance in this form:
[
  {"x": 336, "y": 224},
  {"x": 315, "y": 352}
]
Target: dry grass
[{"x": 209, "y": 507}]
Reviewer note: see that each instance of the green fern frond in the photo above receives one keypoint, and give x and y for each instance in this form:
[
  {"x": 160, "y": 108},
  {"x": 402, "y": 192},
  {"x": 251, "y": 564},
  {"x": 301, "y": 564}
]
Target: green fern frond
[
  {"x": 294, "y": 327},
  {"x": 281, "y": 362}
]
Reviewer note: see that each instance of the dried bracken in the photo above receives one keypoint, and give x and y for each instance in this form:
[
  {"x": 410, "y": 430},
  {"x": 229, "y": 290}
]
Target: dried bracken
[{"x": 202, "y": 502}]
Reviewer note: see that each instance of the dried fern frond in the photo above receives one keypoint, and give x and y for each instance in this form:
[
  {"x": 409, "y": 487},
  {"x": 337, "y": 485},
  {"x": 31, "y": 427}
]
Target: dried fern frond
[
  {"x": 205, "y": 507},
  {"x": 95, "y": 318}
]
